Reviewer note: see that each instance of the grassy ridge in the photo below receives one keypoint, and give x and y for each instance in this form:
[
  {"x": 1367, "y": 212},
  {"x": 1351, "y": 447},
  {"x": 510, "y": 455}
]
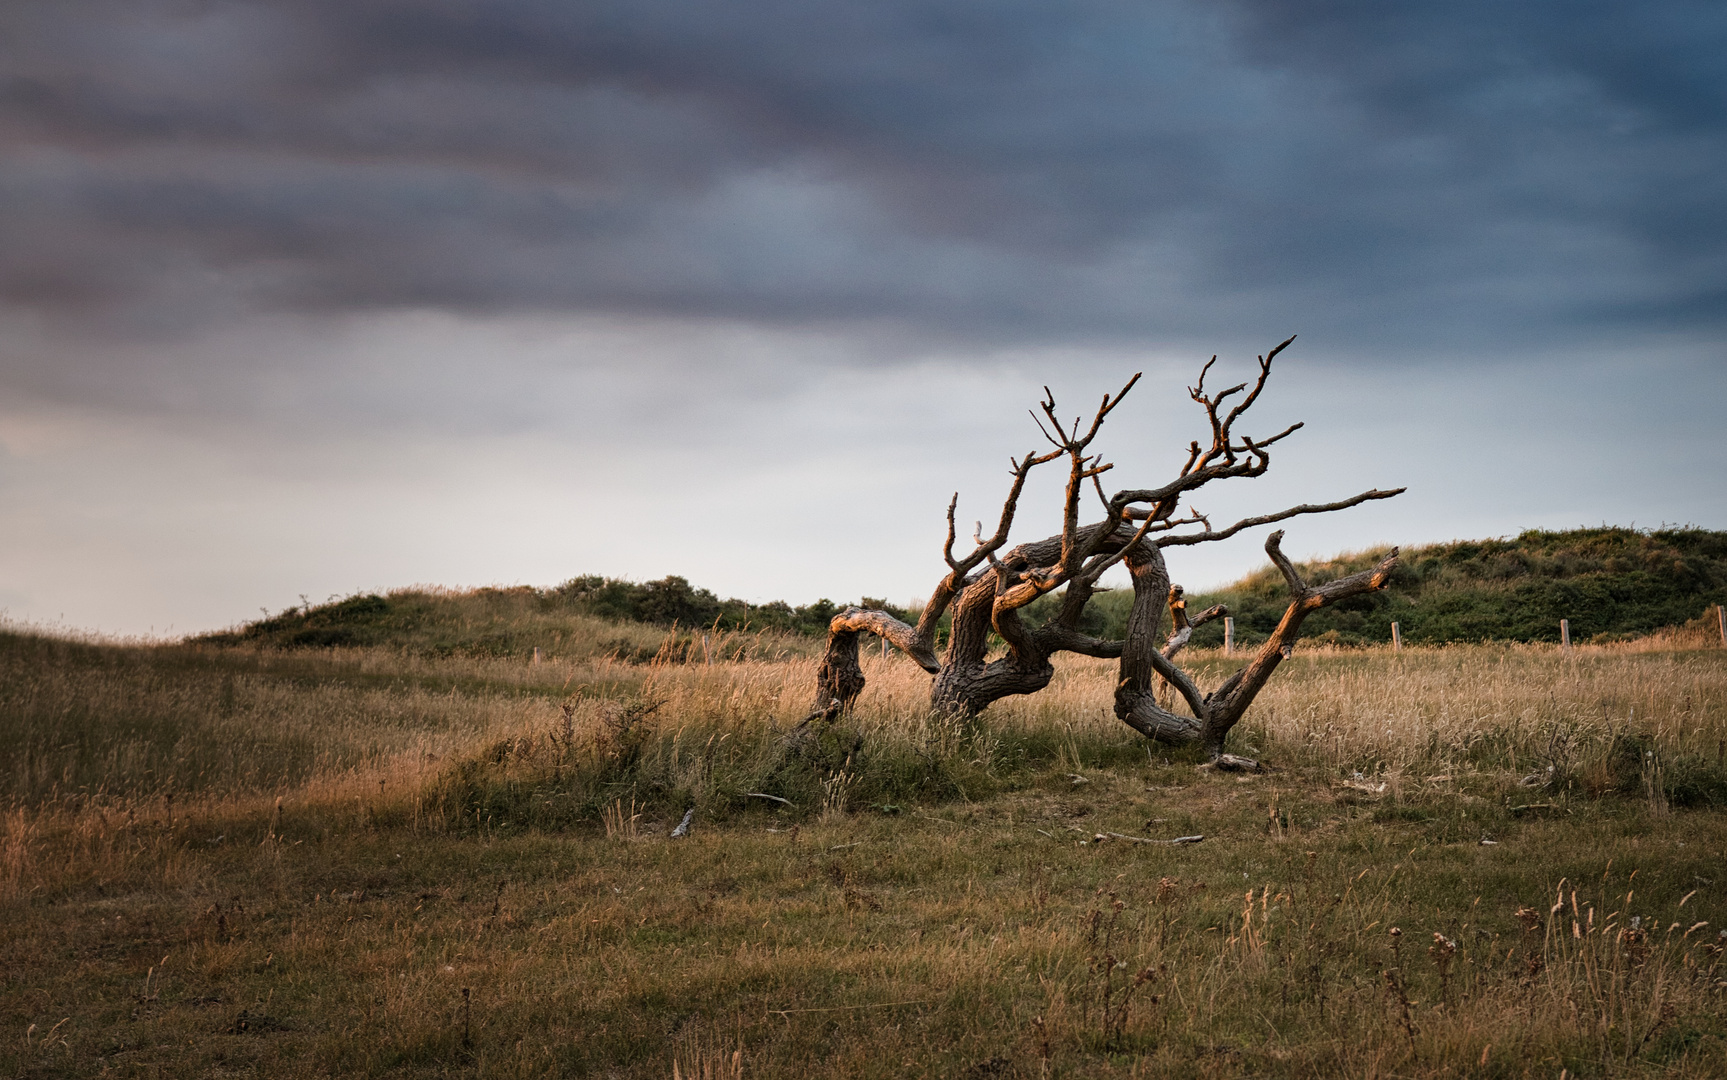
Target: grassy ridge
[
  {"x": 1611, "y": 583},
  {"x": 514, "y": 621}
]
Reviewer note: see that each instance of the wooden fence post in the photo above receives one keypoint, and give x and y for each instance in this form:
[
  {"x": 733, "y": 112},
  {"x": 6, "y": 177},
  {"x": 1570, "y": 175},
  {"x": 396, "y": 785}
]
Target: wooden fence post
[
  {"x": 707, "y": 656},
  {"x": 1228, "y": 635},
  {"x": 1396, "y": 639},
  {"x": 1721, "y": 614},
  {"x": 536, "y": 654},
  {"x": 1565, "y": 633}
]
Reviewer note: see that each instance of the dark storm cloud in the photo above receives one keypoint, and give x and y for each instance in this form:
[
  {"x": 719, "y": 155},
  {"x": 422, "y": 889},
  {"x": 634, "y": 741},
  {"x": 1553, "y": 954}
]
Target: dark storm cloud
[{"x": 1374, "y": 172}]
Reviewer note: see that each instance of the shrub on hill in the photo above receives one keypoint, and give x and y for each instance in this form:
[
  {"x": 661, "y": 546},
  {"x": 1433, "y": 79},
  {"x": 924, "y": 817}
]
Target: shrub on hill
[
  {"x": 674, "y": 600},
  {"x": 513, "y": 621},
  {"x": 1611, "y": 583}
]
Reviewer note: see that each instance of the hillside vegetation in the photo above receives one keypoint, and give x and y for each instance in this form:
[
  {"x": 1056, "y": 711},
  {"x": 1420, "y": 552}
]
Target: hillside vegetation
[
  {"x": 1611, "y": 583},
  {"x": 583, "y": 615}
]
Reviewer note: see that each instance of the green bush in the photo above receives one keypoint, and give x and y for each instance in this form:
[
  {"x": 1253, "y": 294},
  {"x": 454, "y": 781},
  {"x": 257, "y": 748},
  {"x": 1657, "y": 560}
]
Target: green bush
[{"x": 1609, "y": 582}]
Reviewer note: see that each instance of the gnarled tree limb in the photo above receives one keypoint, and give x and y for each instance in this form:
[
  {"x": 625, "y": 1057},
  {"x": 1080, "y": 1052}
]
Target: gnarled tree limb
[
  {"x": 1228, "y": 702},
  {"x": 986, "y": 591}
]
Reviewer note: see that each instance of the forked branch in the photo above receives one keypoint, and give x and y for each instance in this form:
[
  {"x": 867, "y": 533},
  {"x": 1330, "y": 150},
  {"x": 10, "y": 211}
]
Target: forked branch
[
  {"x": 987, "y": 589},
  {"x": 955, "y": 580},
  {"x": 1228, "y": 702},
  {"x": 1181, "y": 539}
]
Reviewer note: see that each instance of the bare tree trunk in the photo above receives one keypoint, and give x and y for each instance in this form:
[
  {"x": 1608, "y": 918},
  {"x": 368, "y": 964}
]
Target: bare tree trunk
[
  {"x": 1180, "y": 635},
  {"x": 985, "y": 594},
  {"x": 953, "y": 690},
  {"x": 1214, "y": 714},
  {"x": 1136, "y": 689},
  {"x": 1228, "y": 702},
  {"x": 967, "y": 685}
]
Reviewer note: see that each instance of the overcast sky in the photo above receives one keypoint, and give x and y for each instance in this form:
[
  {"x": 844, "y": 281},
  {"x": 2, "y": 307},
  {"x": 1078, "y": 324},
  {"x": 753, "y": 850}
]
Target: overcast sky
[{"x": 307, "y": 297}]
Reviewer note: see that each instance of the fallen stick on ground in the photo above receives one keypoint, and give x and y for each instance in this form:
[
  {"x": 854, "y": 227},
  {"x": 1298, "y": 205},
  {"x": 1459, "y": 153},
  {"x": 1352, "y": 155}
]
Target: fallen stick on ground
[
  {"x": 683, "y": 828},
  {"x": 1142, "y": 840},
  {"x": 844, "y": 1008},
  {"x": 1524, "y": 809},
  {"x": 944, "y": 821}
]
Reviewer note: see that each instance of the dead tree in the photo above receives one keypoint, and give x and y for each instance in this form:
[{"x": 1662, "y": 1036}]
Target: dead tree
[{"x": 987, "y": 589}]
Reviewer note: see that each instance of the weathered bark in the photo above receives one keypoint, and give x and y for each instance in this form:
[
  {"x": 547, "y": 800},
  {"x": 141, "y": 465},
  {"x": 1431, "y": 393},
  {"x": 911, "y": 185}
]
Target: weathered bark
[
  {"x": 1181, "y": 634},
  {"x": 1228, "y": 702},
  {"x": 967, "y": 684},
  {"x": 1214, "y": 714},
  {"x": 1140, "y": 672},
  {"x": 985, "y": 593},
  {"x": 840, "y": 678},
  {"x": 1184, "y": 627}
]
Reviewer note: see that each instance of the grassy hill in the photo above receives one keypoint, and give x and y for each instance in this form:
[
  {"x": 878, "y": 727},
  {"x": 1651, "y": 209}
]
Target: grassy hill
[
  {"x": 1611, "y": 583},
  {"x": 582, "y": 616}
]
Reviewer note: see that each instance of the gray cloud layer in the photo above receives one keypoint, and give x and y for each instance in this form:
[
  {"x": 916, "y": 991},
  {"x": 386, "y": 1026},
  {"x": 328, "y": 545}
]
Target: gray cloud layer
[
  {"x": 1462, "y": 173},
  {"x": 317, "y": 295}
]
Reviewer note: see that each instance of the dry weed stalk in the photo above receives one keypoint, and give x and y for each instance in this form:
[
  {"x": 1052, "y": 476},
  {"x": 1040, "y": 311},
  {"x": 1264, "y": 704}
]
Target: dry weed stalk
[
  {"x": 710, "y": 1065},
  {"x": 1113, "y": 997},
  {"x": 622, "y": 822},
  {"x": 15, "y": 860},
  {"x": 836, "y": 792},
  {"x": 1441, "y": 952},
  {"x": 1618, "y": 975}
]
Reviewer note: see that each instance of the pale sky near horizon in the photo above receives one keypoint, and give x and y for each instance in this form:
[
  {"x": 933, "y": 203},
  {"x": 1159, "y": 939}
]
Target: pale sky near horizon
[{"x": 305, "y": 298}]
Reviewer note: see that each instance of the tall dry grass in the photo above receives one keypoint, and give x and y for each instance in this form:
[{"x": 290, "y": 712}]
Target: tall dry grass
[
  {"x": 111, "y": 726},
  {"x": 373, "y": 863}
]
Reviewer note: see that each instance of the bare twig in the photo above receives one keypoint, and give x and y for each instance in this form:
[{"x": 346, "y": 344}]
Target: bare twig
[
  {"x": 1143, "y": 840},
  {"x": 1281, "y": 515}
]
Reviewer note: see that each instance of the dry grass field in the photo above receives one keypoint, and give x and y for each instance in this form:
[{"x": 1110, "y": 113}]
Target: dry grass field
[{"x": 1483, "y": 861}]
